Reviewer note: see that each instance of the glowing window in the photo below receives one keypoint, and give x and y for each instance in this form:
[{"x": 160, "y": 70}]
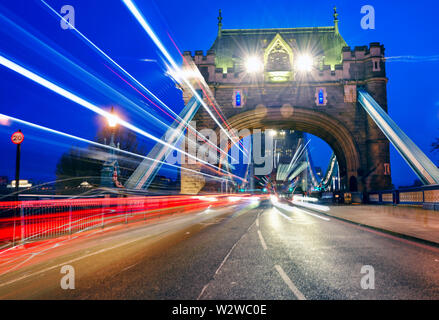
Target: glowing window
[
  {"x": 238, "y": 98},
  {"x": 321, "y": 96}
]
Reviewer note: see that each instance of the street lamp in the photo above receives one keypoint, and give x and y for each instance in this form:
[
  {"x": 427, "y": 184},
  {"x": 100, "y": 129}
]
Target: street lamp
[
  {"x": 110, "y": 168},
  {"x": 112, "y": 119}
]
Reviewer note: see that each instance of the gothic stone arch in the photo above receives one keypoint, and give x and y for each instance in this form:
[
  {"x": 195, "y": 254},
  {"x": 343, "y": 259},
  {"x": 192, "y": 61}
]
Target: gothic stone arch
[{"x": 322, "y": 102}]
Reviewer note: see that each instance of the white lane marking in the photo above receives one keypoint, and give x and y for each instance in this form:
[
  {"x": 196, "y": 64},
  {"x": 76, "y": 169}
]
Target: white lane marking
[
  {"x": 299, "y": 295},
  {"x": 230, "y": 251},
  {"x": 129, "y": 267},
  {"x": 202, "y": 291},
  {"x": 257, "y": 222},
  {"x": 264, "y": 245},
  {"x": 312, "y": 214},
  {"x": 224, "y": 261}
]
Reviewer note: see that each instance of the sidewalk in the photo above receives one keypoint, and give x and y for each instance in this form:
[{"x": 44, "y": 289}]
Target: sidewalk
[{"x": 405, "y": 221}]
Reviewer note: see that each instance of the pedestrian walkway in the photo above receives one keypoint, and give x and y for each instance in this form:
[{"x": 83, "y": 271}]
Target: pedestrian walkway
[{"x": 409, "y": 221}]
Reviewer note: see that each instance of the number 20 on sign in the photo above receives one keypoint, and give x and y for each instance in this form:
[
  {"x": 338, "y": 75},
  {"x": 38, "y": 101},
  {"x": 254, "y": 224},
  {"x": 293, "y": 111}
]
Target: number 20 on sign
[{"x": 17, "y": 137}]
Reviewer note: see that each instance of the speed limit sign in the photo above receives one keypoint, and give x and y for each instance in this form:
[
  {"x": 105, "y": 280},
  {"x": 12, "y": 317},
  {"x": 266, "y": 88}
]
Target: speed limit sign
[{"x": 17, "y": 137}]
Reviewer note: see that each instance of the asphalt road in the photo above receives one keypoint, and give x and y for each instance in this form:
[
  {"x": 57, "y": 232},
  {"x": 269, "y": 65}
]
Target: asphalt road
[{"x": 240, "y": 252}]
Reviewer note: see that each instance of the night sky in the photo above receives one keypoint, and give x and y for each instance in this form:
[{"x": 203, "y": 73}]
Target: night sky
[{"x": 406, "y": 28}]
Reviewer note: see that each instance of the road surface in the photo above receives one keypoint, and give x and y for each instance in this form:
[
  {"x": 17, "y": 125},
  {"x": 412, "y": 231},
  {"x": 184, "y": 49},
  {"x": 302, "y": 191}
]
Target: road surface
[{"x": 246, "y": 251}]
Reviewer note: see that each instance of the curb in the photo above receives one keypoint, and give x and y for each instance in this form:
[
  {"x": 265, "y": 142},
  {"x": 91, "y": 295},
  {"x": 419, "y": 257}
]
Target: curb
[{"x": 393, "y": 233}]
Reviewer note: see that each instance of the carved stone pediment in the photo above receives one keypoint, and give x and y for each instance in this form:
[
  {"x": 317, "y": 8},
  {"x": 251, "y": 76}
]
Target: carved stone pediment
[{"x": 278, "y": 60}]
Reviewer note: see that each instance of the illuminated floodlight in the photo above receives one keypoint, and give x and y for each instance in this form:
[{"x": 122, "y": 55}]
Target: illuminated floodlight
[
  {"x": 112, "y": 118},
  {"x": 305, "y": 63},
  {"x": 253, "y": 65},
  {"x": 272, "y": 133}
]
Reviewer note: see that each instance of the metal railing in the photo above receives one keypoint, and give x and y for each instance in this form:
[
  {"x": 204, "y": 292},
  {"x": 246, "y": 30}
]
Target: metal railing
[
  {"x": 425, "y": 196},
  {"x": 25, "y": 221}
]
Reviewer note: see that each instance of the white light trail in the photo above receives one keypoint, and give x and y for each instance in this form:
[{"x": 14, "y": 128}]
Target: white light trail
[
  {"x": 302, "y": 198},
  {"x": 287, "y": 208},
  {"x": 72, "y": 97},
  {"x": 311, "y": 214},
  {"x": 234, "y": 199},
  {"x": 282, "y": 214},
  {"x": 67, "y": 135},
  {"x": 311, "y": 206},
  {"x": 139, "y": 17},
  {"x": 126, "y": 73},
  {"x": 32, "y": 42}
]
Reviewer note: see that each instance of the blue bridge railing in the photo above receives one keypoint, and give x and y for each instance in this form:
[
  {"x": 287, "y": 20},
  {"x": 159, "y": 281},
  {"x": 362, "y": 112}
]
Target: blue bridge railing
[{"x": 424, "y": 196}]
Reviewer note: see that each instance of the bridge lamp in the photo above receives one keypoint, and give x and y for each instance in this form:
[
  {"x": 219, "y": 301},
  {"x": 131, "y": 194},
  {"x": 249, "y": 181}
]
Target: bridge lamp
[
  {"x": 253, "y": 65},
  {"x": 112, "y": 119},
  {"x": 305, "y": 62}
]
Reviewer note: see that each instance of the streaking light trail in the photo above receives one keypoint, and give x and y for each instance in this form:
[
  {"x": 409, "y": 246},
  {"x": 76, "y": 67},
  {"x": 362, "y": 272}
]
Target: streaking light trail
[
  {"x": 311, "y": 206},
  {"x": 67, "y": 135},
  {"x": 277, "y": 204},
  {"x": 190, "y": 128},
  {"x": 69, "y": 95},
  {"x": 197, "y": 77},
  {"x": 139, "y": 17},
  {"x": 36, "y": 44},
  {"x": 103, "y": 54}
]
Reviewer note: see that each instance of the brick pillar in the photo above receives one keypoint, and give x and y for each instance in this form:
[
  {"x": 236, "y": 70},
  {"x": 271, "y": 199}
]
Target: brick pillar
[
  {"x": 190, "y": 182},
  {"x": 377, "y": 145}
]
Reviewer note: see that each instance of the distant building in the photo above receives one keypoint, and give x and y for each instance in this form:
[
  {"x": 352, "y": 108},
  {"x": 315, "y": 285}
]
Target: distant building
[
  {"x": 318, "y": 171},
  {"x": 85, "y": 185},
  {"x": 286, "y": 144},
  {"x": 21, "y": 184},
  {"x": 3, "y": 181},
  {"x": 161, "y": 182}
]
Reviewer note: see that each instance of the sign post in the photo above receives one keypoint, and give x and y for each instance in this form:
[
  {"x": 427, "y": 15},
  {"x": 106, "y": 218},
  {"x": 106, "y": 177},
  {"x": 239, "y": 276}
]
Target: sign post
[{"x": 17, "y": 138}]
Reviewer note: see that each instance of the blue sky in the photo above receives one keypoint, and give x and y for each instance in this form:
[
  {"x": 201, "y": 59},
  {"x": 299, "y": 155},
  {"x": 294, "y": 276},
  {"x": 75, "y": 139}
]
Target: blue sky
[{"x": 405, "y": 28}]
